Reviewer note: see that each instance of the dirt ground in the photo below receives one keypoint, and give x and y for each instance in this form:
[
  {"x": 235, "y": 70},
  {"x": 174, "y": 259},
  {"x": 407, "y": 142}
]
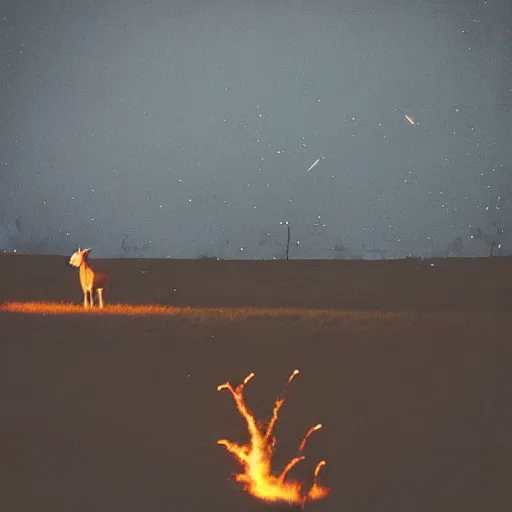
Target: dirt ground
[{"x": 121, "y": 413}]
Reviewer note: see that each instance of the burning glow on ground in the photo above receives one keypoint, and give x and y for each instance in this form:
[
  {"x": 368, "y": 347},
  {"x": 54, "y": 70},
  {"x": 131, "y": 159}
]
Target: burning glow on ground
[
  {"x": 233, "y": 313},
  {"x": 256, "y": 456}
]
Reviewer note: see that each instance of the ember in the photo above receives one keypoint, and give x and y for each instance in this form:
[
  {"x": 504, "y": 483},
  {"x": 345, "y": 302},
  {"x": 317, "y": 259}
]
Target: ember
[{"x": 256, "y": 456}]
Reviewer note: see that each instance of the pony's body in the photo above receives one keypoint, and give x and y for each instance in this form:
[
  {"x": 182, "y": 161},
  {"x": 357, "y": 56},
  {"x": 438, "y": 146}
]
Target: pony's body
[{"x": 92, "y": 282}]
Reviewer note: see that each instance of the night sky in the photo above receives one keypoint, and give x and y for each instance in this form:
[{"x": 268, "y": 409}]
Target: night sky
[{"x": 188, "y": 129}]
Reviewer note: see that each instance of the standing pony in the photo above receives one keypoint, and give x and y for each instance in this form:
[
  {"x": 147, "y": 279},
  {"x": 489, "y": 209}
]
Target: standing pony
[{"x": 91, "y": 281}]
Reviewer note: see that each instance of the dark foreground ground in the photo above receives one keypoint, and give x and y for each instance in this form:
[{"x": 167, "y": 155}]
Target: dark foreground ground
[{"x": 122, "y": 414}]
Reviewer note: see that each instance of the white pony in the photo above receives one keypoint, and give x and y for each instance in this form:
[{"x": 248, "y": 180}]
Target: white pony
[{"x": 90, "y": 280}]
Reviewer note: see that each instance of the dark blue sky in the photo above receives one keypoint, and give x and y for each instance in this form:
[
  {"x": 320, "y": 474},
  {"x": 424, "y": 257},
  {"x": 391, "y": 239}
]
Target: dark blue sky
[{"x": 188, "y": 128}]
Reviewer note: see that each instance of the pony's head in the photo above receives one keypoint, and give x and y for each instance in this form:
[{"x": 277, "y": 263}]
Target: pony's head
[{"x": 78, "y": 257}]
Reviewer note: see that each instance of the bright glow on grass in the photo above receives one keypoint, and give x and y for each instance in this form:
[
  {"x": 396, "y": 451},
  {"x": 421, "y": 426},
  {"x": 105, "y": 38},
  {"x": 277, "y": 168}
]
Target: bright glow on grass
[{"x": 62, "y": 308}]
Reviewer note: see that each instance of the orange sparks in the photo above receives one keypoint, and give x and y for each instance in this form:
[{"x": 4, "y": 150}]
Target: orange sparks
[{"x": 256, "y": 456}]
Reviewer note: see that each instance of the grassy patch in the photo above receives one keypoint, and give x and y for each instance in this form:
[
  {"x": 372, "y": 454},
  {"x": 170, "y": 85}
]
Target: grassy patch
[{"x": 62, "y": 308}]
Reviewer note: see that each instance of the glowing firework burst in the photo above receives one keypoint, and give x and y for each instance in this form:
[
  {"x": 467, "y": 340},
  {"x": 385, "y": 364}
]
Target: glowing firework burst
[{"x": 256, "y": 456}]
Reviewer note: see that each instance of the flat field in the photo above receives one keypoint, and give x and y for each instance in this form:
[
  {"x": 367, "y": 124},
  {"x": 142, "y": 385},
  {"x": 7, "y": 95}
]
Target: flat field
[{"x": 407, "y": 365}]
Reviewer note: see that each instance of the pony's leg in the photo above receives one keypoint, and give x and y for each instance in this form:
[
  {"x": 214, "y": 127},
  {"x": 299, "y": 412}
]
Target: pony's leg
[
  {"x": 86, "y": 302},
  {"x": 100, "y": 296}
]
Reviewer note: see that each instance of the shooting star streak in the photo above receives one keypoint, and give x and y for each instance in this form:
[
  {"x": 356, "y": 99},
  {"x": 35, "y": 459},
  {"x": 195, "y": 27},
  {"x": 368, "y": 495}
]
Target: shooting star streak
[
  {"x": 410, "y": 119},
  {"x": 314, "y": 163}
]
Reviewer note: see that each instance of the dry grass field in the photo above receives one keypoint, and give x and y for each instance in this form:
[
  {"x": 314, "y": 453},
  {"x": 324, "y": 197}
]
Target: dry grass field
[{"x": 406, "y": 364}]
